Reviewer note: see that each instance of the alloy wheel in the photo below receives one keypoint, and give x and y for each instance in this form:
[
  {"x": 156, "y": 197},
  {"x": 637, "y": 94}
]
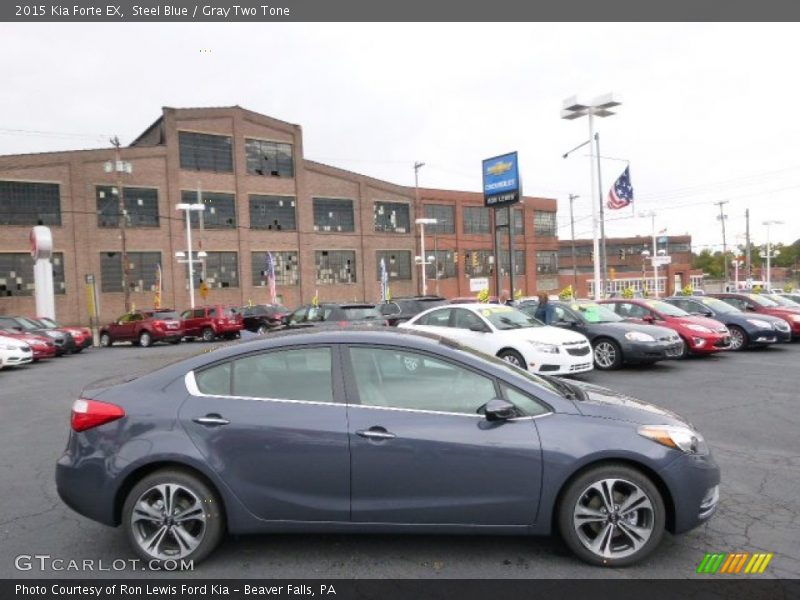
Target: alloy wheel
[
  {"x": 514, "y": 360},
  {"x": 605, "y": 355},
  {"x": 168, "y": 521},
  {"x": 737, "y": 338},
  {"x": 613, "y": 518}
]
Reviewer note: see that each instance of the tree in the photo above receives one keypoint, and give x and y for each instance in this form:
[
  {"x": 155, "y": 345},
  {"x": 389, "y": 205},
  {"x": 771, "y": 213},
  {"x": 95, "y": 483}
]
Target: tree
[{"x": 708, "y": 262}]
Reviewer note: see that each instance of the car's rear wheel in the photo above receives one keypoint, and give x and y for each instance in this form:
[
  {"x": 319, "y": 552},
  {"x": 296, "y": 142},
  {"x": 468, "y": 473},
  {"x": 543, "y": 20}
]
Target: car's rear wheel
[
  {"x": 173, "y": 515},
  {"x": 175, "y": 342},
  {"x": 684, "y": 351},
  {"x": 105, "y": 340},
  {"x": 513, "y": 357},
  {"x": 607, "y": 355},
  {"x": 611, "y": 516},
  {"x": 145, "y": 339},
  {"x": 208, "y": 334},
  {"x": 739, "y": 339}
]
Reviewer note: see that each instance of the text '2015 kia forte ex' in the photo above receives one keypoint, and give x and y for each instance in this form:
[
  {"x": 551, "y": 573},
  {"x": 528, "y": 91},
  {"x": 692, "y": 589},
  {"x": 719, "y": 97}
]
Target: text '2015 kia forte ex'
[{"x": 330, "y": 432}]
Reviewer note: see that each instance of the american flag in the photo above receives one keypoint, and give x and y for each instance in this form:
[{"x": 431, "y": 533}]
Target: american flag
[
  {"x": 157, "y": 298},
  {"x": 384, "y": 282},
  {"x": 269, "y": 271},
  {"x": 621, "y": 195}
]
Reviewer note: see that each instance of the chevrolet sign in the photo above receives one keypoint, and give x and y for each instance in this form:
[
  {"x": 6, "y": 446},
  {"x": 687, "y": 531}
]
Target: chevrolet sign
[{"x": 501, "y": 180}]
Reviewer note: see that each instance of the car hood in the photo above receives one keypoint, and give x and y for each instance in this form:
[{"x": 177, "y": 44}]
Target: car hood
[
  {"x": 623, "y": 327},
  {"x": 711, "y": 324},
  {"x": 545, "y": 335},
  {"x": 608, "y": 404}
]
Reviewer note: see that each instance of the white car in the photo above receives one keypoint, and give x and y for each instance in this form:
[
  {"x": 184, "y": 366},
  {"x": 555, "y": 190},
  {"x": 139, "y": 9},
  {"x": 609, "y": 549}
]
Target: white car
[
  {"x": 13, "y": 352},
  {"x": 510, "y": 334}
]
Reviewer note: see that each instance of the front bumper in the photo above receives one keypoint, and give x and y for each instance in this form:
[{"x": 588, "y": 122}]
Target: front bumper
[
  {"x": 13, "y": 358},
  {"x": 565, "y": 362},
  {"x": 40, "y": 352},
  {"x": 692, "y": 480},
  {"x": 704, "y": 343},
  {"x": 762, "y": 336},
  {"x": 644, "y": 352}
]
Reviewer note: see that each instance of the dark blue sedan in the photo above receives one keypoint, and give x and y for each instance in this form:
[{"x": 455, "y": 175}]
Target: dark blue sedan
[
  {"x": 748, "y": 330},
  {"x": 330, "y": 431}
]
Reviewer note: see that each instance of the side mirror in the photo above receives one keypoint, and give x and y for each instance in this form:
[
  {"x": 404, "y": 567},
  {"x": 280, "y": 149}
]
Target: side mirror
[
  {"x": 567, "y": 322},
  {"x": 499, "y": 410},
  {"x": 477, "y": 327},
  {"x": 749, "y": 308},
  {"x": 649, "y": 319}
]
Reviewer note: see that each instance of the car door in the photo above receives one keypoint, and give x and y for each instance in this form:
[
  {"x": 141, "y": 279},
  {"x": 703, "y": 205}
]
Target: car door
[
  {"x": 438, "y": 322},
  {"x": 123, "y": 328},
  {"x": 463, "y": 321},
  {"x": 421, "y": 453},
  {"x": 273, "y": 425}
]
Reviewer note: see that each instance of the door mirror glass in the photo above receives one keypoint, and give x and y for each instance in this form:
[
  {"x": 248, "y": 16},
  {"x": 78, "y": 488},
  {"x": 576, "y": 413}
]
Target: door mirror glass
[
  {"x": 477, "y": 327},
  {"x": 498, "y": 409}
]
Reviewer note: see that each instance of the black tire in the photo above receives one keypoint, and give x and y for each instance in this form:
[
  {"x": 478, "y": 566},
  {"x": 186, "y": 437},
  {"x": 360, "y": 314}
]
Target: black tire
[
  {"x": 105, "y": 339},
  {"x": 684, "y": 353},
  {"x": 175, "y": 342},
  {"x": 610, "y": 354},
  {"x": 513, "y": 357},
  {"x": 262, "y": 329},
  {"x": 650, "y": 516},
  {"x": 739, "y": 338},
  {"x": 212, "y": 513},
  {"x": 77, "y": 350},
  {"x": 208, "y": 334},
  {"x": 145, "y": 339}
]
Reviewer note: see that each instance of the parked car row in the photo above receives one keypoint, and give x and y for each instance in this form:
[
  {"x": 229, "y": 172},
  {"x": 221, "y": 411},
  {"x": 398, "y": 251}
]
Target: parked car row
[{"x": 24, "y": 340}]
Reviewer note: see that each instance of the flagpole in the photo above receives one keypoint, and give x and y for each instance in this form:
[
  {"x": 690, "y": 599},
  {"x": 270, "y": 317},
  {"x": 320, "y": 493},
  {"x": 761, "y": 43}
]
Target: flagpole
[{"x": 603, "y": 255}]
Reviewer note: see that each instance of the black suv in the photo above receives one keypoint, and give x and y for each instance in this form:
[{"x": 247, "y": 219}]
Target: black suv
[
  {"x": 328, "y": 314},
  {"x": 397, "y": 310},
  {"x": 262, "y": 318}
]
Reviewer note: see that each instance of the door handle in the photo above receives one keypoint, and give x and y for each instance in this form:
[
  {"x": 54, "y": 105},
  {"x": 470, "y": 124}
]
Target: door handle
[
  {"x": 376, "y": 433},
  {"x": 211, "y": 420}
]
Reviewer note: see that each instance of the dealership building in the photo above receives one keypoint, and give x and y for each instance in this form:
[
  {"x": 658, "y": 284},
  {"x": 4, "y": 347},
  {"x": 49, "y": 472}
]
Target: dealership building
[{"x": 327, "y": 228}]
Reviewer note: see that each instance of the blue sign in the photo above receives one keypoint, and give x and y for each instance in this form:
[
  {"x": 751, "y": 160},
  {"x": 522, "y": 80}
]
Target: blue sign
[{"x": 501, "y": 180}]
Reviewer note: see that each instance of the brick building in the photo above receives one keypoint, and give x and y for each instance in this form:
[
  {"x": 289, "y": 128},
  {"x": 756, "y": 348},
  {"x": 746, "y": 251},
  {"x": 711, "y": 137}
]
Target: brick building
[
  {"x": 327, "y": 228},
  {"x": 627, "y": 267}
]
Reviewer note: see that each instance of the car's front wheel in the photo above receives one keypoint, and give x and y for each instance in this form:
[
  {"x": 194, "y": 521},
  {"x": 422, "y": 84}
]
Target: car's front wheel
[
  {"x": 513, "y": 357},
  {"x": 262, "y": 329},
  {"x": 607, "y": 355},
  {"x": 739, "y": 339},
  {"x": 611, "y": 516},
  {"x": 145, "y": 339},
  {"x": 173, "y": 515},
  {"x": 208, "y": 334},
  {"x": 105, "y": 340}
]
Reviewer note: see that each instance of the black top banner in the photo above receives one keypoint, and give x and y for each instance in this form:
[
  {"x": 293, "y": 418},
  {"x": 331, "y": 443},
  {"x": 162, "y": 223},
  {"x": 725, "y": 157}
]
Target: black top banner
[{"x": 249, "y": 11}]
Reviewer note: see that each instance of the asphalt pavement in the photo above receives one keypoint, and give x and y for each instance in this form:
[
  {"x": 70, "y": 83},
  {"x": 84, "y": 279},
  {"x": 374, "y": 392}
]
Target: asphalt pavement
[{"x": 746, "y": 404}]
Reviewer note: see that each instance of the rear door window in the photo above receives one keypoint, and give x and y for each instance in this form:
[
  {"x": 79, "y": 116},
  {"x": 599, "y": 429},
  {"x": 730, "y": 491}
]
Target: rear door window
[
  {"x": 285, "y": 374},
  {"x": 437, "y": 318}
]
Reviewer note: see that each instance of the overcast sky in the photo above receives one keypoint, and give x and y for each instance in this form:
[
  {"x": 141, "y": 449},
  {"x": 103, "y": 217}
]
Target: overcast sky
[{"x": 707, "y": 112}]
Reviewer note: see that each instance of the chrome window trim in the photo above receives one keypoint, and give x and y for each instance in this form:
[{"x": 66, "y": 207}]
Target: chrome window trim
[{"x": 191, "y": 387}]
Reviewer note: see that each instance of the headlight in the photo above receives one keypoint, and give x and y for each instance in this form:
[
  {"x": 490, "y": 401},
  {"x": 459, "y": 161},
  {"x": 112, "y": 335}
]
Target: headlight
[
  {"x": 638, "y": 336},
  {"x": 699, "y": 328},
  {"x": 546, "y": 348},
  {"x": 759, "y": 323},
  {"x": 4, "y": 347},
  {"x": 680, "y": 438},
  {"x": 796, "y": 318}
]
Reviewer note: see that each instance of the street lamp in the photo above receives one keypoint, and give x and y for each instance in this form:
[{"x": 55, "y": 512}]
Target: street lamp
[
  {"x": 424, "y": 262},
  {"x": 598, "y": 107},
  {"x": 188, "y": 208},
  {"x": 769, "y": 253}
]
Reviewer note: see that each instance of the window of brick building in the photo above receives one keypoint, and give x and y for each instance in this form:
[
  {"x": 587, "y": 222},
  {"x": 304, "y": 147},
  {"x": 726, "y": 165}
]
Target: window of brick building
[
  {"x": 335, "y": 266},
  {"x": 205, "y": 152},
  {"x": 445, "y": 216},
  {"x": 276, "y": 213},
  {"x": 547, "y": 261},
  {"x": 287, "y": 268},
  {"x": 221, "y": 270},
  {"x": 141, "y": 206},
  {"x": 220, "y": 212},
  {"x": 392, "y": 217},
  {"x": 398, "y": 264},
  {"x": 476, "y": 219},
  {"x": 544, "y": 223},
  {"x": 519, "y": 262},
  {"x": 16, "y": 274},
  {"x": 142, "y": 269},
  {"x": 519, "y": 220},
  {"x": 29, "y": 203},
  {"x": 332, "y": 214},
  {"x": 478, "y": 263},
  {"x": 443, "y": 265},
  {"x": 272, "y": 159}
]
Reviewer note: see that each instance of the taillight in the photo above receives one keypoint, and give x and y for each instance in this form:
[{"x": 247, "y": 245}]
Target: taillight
[
  {"x": 92, "y": 413},
  {"x": 159, "y": 324}
]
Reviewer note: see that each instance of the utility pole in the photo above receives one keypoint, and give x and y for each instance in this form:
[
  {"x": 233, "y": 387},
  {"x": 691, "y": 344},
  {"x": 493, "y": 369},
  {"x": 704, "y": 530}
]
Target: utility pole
[
  {"x": 417, "y": 166},
  {"x": 572, "y": 198},
  {"x": 721, "y": 218},
  {"x": 120, "y": 167},
  {"x": 749, "y": 271},
  {"x": 603, "y": 255}
]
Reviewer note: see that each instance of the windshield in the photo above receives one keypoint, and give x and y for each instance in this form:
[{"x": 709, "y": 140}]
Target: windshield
[
  {"x": 28, "y": 324},
  {"x": 361, "y": 313},
  {"x": 47, "y": 322},
  {"x": 164, "y": 314},
  {"x": 719, "y": 306},
  {"x": 506, "y": 317},
  {"x": 666, "y": 308},
  {"x": 595, "y": 313},
  {"x": 783, "y": 301},
  {"x": 537, "y": 379},
  {"x": 762, "y": 301}
]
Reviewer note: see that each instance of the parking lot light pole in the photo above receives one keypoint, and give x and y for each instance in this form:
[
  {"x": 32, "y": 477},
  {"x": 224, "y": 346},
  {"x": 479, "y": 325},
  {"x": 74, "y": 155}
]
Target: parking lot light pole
[
  {"x": 190, "y": 260},
  {"x": 424, "y": 259},
  {"x": 769, "y": 253},
  {"x": 598, "y": 107}
]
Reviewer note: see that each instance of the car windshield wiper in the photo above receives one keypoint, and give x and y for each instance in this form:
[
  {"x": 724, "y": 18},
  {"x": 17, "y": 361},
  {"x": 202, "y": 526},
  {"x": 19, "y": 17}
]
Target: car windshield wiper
[{"x": 569, "y": 392}]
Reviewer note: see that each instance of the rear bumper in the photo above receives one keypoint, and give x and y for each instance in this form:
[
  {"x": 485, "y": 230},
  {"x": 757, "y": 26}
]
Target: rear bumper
[
  {"x": 85, "y": 489},
  {"x": 168, "y": 335}
]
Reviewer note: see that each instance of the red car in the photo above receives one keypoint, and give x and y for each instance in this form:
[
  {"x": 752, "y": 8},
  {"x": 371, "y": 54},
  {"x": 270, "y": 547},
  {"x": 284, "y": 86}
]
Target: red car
[
  {"x": 211, "y": 322},
  {"x": 764, "y": 304},
  {"x": 81, "y": 335},
  {"x": 143, "y": 328},
  {"x": 700, "y": 335},
  {"x": 42, "y": 347}
]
